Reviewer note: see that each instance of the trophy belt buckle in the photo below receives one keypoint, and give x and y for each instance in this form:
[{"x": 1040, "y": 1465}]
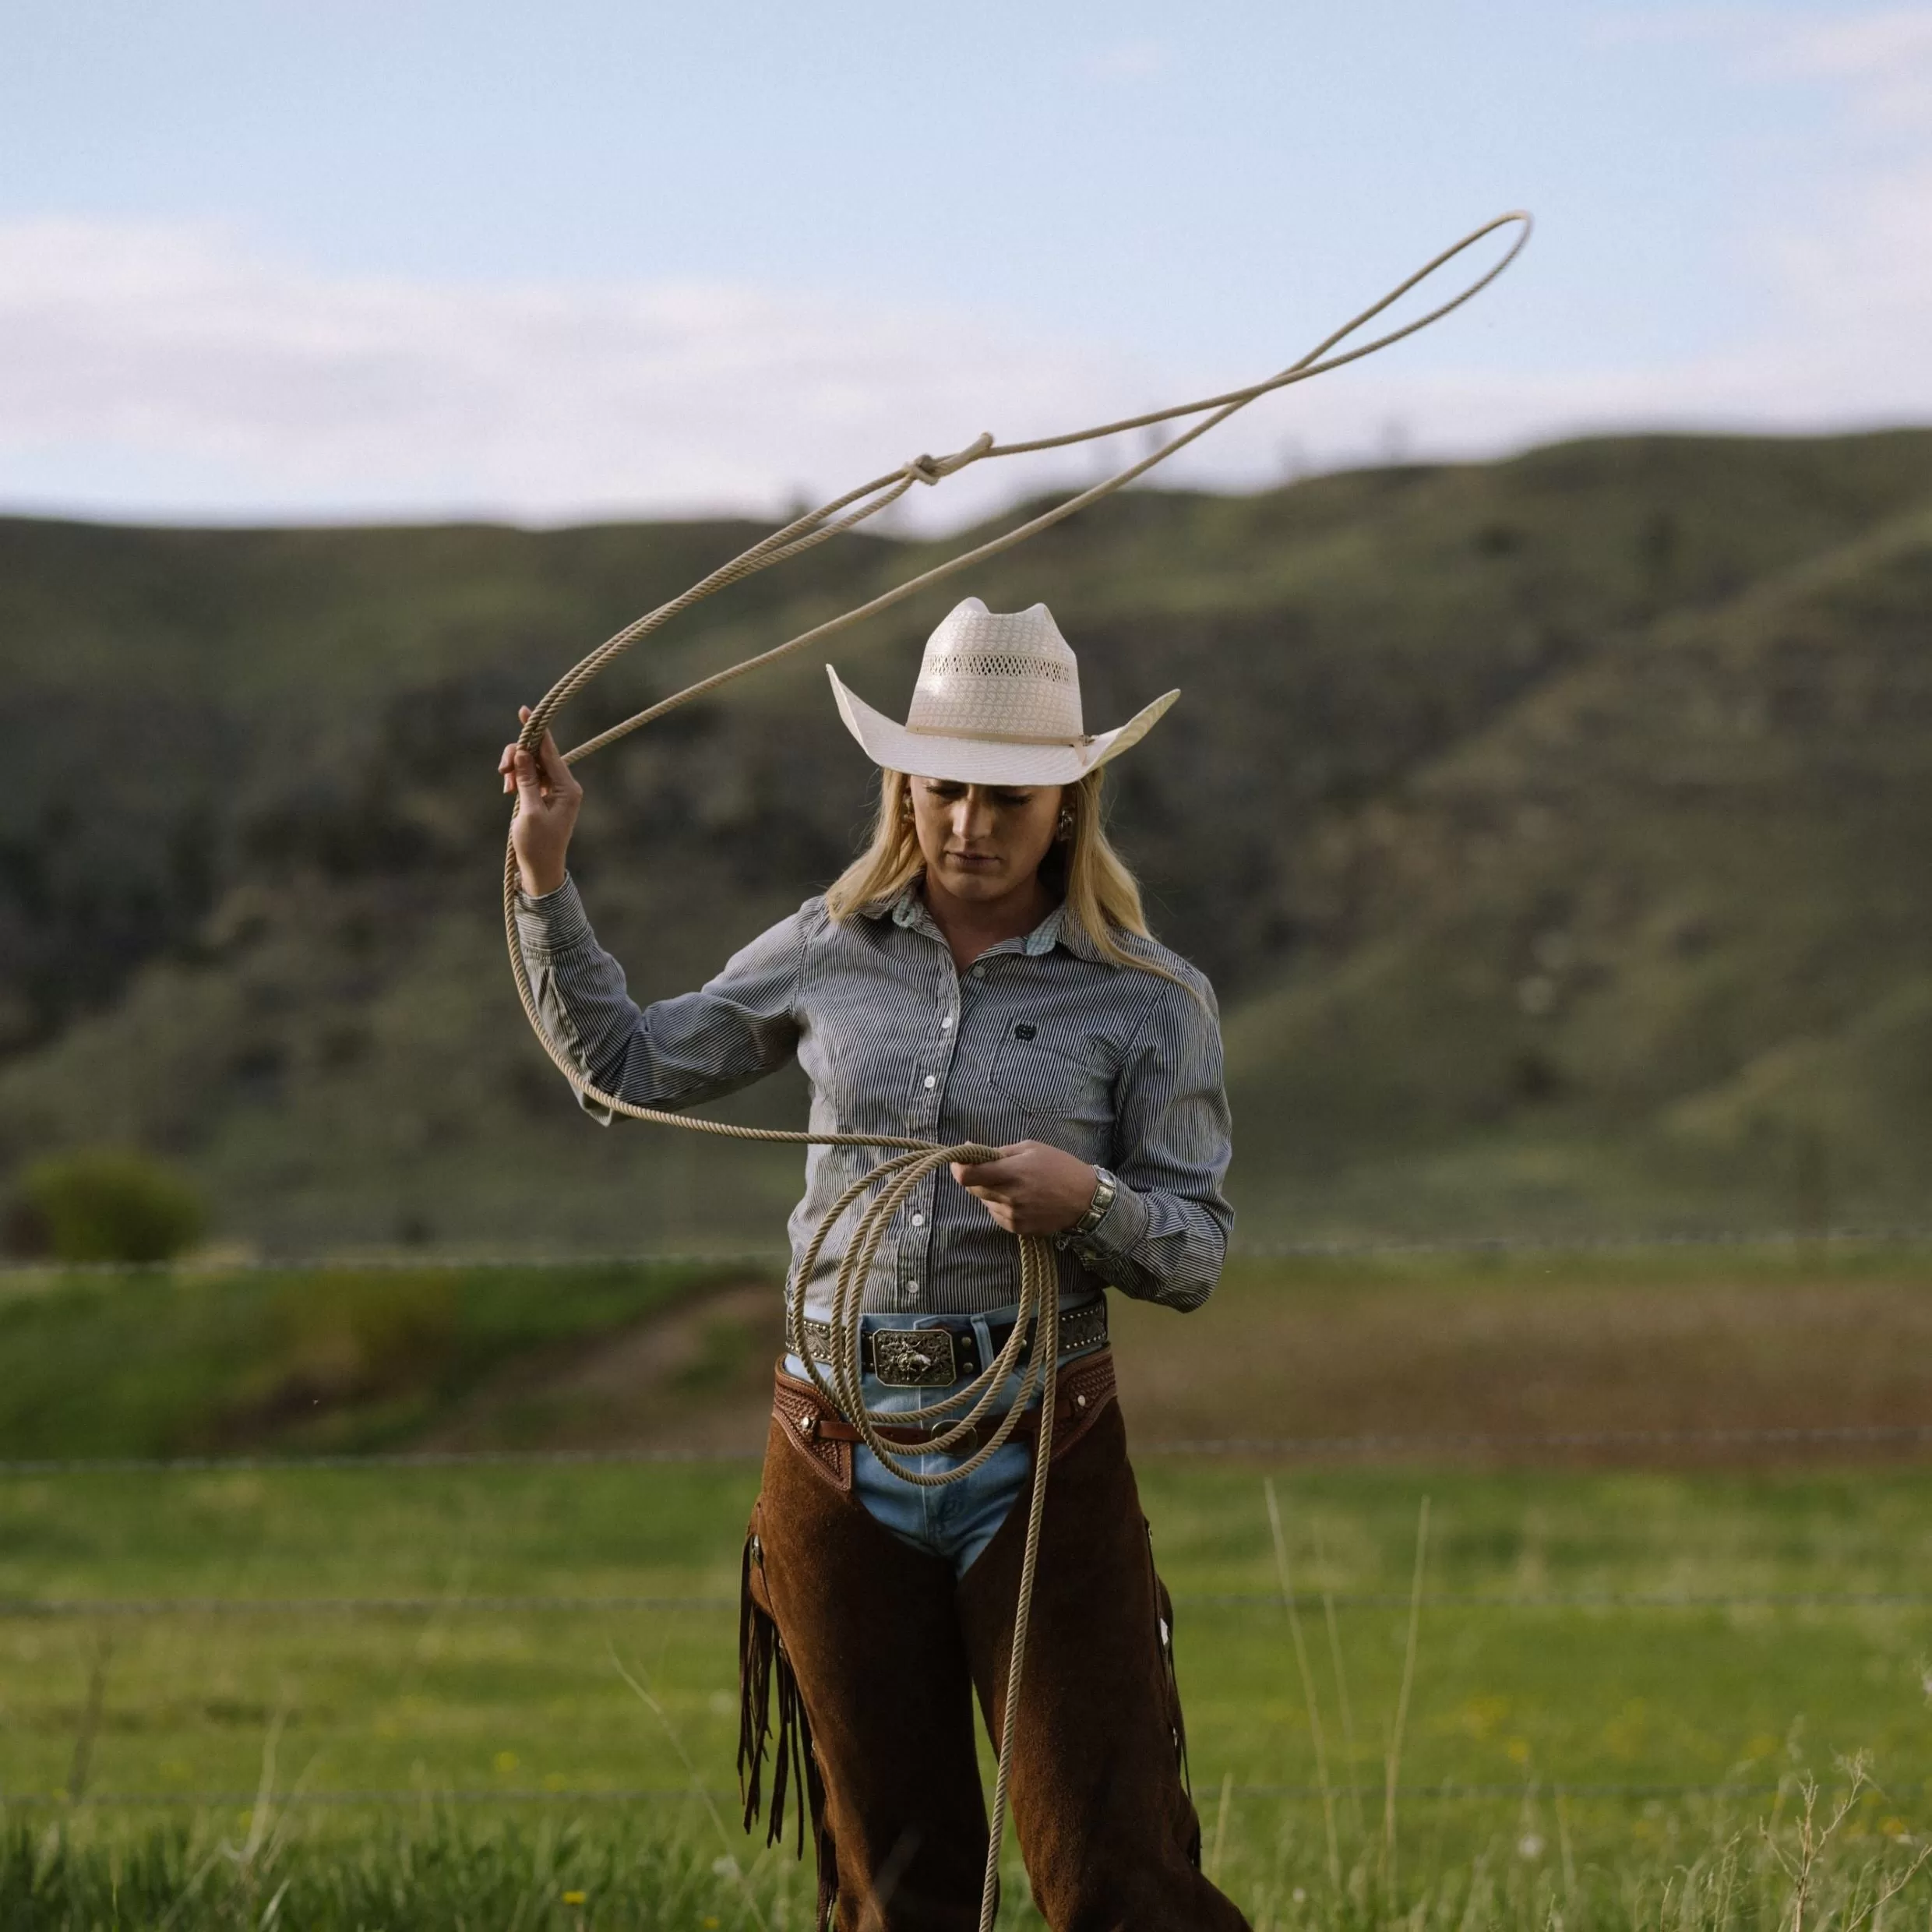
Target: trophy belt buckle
[{"x": 914, "y": 1358}]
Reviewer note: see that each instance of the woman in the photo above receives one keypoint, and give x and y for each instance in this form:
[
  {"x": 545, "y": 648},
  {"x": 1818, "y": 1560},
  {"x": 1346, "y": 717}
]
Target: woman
[{"x": 982, "y": 972}]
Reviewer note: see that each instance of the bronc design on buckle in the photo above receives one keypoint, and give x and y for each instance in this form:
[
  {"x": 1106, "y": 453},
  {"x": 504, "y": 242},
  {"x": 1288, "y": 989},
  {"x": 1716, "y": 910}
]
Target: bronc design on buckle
[{"x": 913, "y": 1358}]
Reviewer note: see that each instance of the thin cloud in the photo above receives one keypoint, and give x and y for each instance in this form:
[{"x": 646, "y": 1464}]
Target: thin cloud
[
  {"x": 1129, "y": 60},
  {"x": 1857, "y": 279},
  {"x": 1678, "y": 26},
  {"x": 128, "y": 347},
  {"x": 1882, "y": 60},
  {"x": 1864, "y": 284},
  {"x": 1857, "y": 45},
  {"x": 1847, "y": 333},
  {"x": 176, "y": 372}
]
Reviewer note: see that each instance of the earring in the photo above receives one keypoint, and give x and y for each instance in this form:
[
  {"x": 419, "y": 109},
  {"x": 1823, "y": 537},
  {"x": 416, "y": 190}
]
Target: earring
[{"x": 1067, "y": 822}]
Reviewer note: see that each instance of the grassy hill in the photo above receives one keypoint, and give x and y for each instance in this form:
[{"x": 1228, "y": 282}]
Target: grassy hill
[{"x": 1552, "y": 829}]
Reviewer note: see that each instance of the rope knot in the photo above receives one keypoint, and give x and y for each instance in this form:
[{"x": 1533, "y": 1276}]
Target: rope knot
[{"x": 930, "y": 469}]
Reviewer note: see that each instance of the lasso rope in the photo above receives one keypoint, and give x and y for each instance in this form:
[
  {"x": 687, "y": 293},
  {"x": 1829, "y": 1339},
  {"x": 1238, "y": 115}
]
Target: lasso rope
[{"x": 912, "y": 1160}]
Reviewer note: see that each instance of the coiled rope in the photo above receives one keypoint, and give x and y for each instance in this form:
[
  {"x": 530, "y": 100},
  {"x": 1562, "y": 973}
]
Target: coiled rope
[{"x": 911, "y": 1160}]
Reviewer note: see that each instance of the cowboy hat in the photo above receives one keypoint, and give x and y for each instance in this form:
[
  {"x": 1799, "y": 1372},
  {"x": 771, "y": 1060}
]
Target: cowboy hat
[{"x": 997, "y": 702}]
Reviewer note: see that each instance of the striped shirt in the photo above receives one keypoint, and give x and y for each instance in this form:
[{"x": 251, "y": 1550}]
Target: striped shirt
[{"x": 1042, "y": 1038}]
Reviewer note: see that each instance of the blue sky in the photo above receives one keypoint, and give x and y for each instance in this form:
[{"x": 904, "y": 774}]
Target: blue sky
[{"x": 294, "y": 260}]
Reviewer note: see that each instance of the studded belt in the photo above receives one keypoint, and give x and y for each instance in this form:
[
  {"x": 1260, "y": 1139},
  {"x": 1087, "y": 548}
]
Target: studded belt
[
  {"x": 1086, "y": 1388},
  {"x": 948, "y": 1350}
]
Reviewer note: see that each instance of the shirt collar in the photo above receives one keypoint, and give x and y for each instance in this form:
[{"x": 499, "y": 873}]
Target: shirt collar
[{"x": 1059, "y": 928}]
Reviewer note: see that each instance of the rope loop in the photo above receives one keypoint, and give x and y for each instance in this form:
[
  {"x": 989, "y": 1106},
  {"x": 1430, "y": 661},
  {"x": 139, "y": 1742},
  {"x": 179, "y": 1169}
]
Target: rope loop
[{"x": 896, "y": 1180}]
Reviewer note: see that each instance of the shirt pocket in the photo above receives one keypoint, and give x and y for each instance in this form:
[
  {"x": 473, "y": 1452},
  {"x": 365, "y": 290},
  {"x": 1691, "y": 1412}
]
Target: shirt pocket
[{"x": 1054, "y": 1077}]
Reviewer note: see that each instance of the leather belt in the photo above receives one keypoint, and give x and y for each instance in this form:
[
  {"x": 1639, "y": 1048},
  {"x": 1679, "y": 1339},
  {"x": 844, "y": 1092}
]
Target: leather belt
[
  {"x": 1085, "y": 1389},
  {"x": 946, "y": 1350}
]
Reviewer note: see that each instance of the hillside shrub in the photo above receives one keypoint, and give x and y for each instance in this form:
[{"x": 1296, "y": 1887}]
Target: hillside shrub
[{"x": 105, "y": 1205}]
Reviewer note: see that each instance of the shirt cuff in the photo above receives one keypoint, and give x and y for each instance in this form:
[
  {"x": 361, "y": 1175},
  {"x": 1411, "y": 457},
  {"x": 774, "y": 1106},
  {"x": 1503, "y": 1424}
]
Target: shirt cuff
[
  {"x": 553, "y": 921},
  {"x": 1117, "y": 1231}
]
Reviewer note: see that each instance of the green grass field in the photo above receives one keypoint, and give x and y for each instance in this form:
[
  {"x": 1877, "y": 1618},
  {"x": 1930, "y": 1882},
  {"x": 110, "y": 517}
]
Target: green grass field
[
  {"x": 1517, "y": 1698},
  {"x": 381, "y": 1696}
]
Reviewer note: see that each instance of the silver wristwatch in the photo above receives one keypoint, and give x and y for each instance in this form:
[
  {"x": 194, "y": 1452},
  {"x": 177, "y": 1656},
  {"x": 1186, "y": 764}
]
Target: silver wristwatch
[{"x": 1105, "y": 1188}]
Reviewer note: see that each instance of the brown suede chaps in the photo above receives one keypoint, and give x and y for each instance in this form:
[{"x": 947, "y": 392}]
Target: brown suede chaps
[{"x": 876, "y": 1655}]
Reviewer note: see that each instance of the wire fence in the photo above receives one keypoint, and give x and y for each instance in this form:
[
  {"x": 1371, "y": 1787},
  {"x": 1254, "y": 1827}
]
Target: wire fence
[
  {"x": 1277, "y": 1448},
  {"x": 1903, "y": 1236},
  {"x": 25, "y": 1609},
  {"x": 689, "y": 1794}
]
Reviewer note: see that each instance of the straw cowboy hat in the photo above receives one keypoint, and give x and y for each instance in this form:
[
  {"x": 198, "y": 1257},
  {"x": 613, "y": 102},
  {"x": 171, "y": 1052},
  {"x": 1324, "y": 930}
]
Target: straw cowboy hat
[{"x": 997, "y": 702}]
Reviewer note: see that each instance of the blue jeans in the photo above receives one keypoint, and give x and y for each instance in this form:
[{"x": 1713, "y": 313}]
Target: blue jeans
[{"x": 955, "y": 1523}]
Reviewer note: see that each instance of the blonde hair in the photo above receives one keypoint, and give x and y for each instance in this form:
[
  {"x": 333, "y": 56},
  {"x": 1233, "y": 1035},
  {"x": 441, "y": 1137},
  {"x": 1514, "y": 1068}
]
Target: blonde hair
[{"x": 1092, "y": 877}]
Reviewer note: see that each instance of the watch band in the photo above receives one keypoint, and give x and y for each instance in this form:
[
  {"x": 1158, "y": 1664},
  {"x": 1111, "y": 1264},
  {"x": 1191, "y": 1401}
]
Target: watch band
[{"x": 1105, "y": 1188}]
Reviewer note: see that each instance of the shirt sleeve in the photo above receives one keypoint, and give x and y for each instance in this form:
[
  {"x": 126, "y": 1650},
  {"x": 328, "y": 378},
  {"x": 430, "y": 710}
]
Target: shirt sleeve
[
  {"x": 674, "y": 1053},
  {"x": 1165, "y": 1235}
]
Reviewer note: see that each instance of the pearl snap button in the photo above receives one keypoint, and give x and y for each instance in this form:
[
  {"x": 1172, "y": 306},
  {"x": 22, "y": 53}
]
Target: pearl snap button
[
  {"x": 946, "y": 1025},
  {"x": 931, "y": 1080},
  {"x": 979, "y": 972},
  {"x": 912, "y": 1291},
  {"x": 919, "y": 1220}
]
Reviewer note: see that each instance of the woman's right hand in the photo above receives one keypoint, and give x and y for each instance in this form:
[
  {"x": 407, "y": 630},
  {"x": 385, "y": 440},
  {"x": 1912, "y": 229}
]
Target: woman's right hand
[{"x": 547, "y": 799}]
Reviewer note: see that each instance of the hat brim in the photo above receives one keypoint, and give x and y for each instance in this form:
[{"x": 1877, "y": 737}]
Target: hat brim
[{"x": 981, "y": 760}]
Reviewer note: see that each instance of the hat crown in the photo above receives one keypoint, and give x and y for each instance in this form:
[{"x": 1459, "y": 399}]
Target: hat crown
[{"x": 998, "y": 674}]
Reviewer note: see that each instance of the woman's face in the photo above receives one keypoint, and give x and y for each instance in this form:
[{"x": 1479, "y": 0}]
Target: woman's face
[{"x": 983, "y": 841}]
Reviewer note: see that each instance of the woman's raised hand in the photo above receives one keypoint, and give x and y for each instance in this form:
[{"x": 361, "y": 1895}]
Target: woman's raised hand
[{"x": 547, "y": 799}]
